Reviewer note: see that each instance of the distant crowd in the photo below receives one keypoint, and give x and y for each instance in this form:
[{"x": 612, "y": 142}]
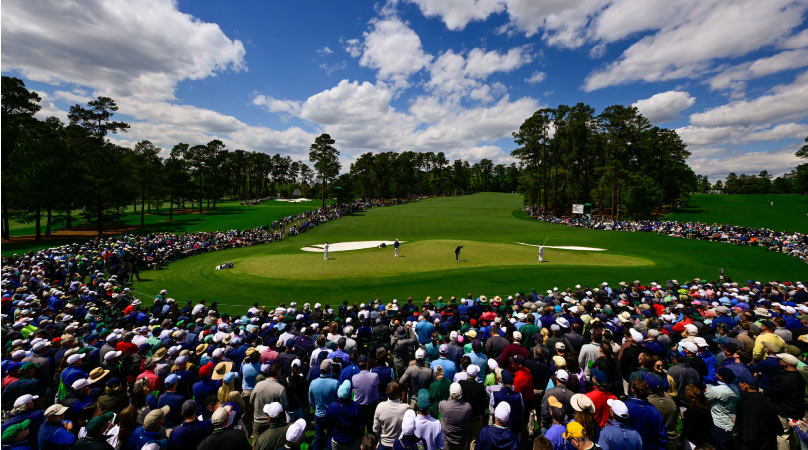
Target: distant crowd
[{"x": 790, "y": 243}]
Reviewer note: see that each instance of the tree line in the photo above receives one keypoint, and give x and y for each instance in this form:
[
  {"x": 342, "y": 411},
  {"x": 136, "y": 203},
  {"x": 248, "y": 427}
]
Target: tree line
[
  {"x": 53, "y": 170},
  {"x": 794, "y": 181},
  {"x": 614, "y": 160}
]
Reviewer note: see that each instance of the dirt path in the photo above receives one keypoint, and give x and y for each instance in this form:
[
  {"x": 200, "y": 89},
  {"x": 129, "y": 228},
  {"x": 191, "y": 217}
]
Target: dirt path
[{"x": 79, "y": 233}]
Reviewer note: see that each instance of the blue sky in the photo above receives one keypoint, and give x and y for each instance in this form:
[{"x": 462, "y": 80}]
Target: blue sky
[{"x": 456, "y": 76}]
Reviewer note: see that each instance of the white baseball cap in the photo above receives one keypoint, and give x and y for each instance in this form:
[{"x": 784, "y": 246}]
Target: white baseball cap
[{"x": 619, "y": 408}]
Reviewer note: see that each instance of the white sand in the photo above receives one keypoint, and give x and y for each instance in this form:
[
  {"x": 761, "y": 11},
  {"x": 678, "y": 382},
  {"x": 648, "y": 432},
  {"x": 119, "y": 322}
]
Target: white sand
[
  {"x": 566, "y": 247},
  {"x": 293, "y": 200},
  {"x": 345, "y": 246}
]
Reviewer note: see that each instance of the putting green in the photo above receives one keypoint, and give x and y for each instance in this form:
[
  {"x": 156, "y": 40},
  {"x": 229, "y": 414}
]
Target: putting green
[
  {"x": 488, "y": 225},
  {"x": 421, "y": 256}
]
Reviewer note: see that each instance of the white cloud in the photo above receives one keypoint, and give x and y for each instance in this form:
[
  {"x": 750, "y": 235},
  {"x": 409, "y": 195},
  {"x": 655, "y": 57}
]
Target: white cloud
[
  {"x": 776, "y": 162},
  {"x": 782, "y": 131},
  {"x": 360, "y": 116},
  {"x": 797, "y": 40},
  {"x": 536, "y": 77},
  {"x": 686, "y": 46},
  {"x": 784, "y": 103},
  {"x": 705, "y": 135},
  {"x": 119, "y": 47},
  {"x": 480, "y": 64},
  {"x": 734, "y": 76},
  {"x": 48, "y": 109},
  {"x": 353, "y": 47},
  {"x": 665, "y": 106},
  {"x": 272, "y": 104},
  {"x": 72, "y": 97},
  {"x": 454, "y": 76},
  {"x": 325, "y": 51},
  {"x": 456, "y": 14},
  {"x": 393, "y": 49}
]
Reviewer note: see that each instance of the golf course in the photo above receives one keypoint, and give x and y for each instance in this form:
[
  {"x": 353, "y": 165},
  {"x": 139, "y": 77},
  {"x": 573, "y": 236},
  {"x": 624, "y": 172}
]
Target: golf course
[{"x": 499, "y": 257}]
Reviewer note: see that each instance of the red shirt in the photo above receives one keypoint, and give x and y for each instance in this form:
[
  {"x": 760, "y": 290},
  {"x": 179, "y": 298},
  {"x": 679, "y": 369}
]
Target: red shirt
[
  {"x": 599, "y": 399},
  {"x": 155, "y": 382},
  {"x": 511, "y": 350},
  {"x": 523, "y": 384},
  {"x": 127, "y": 348}
]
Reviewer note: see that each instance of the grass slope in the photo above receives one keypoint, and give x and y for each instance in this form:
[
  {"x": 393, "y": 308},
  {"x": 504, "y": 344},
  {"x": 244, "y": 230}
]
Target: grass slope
[
  {"x": 226, "y": 216},
  {"x": 789, "y": 213},
  {"x": 489, "y": 224}
]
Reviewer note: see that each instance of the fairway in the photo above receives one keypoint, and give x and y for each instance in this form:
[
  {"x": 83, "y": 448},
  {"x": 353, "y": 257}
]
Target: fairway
[
  {"x": 226, "y": 216},
  {"x": 782, "y": 212},
  {"x": 429, "y": 255},
  {"x": 489, "y": 226}
]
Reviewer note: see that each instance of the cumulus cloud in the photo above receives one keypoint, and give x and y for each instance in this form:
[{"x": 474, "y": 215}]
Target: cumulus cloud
[
  {"x": 454, "y": 76},
  {"x": 393, "y": 49},
  {"x": 783, "y": 103},
  {"x": 456, "y": 14},
  {"x": 121, "y": 48},
  {"x": 785, "y": 60},
  {"x": 665, "y": 106},
  {"x": 536, "y": 78},
  {"x": 686, "y": 45},
  {"x": 776, "y": 162},
  {"x": 272, "y": 104},
  {"x": 779, "y": 132}
]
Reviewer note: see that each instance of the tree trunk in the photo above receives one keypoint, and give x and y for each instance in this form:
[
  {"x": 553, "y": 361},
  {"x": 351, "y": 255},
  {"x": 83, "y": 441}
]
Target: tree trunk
[
  {"x": 48, "y": 224},
  {"x": 6, "y": 229},
  {"x": 171, "y": 209},
  {"x": 99, "y": 219},
  {"x": 134, "y": 206},
  {"x": 38, "y": 223},
  {"x": 143, "y": 203},
  {"x": 323, "y": 193}
]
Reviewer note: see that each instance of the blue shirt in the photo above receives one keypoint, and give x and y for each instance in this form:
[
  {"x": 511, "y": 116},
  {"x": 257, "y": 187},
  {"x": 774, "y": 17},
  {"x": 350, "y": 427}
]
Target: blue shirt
[
  {"x": 424, "y": 330},
  {"x": 189, "y": 435},
  {"x": 322, "y": 392},
  {"x": 449, "y": 367},
  {"x": 618, "y": 436},
  {"x": 648, "y": 422},
  {"x": 174, "y": 400},
  {"x": 53, "y": 436},
  {"x": 344, "y": 421},
  {"x": 248, "y": 373},
  {"x": 555, "y": 434},
  {"x": 203, "y": 388},
  {"x": 141, "y": 437}
]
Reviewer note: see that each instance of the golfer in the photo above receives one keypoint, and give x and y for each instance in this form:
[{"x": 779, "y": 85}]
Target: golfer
[
  {"x": 395, "y": 246},
  {"x": 541, "y": 253},
  {"x": 457, "y": 253},
  {"x": 325, "y": 251}
]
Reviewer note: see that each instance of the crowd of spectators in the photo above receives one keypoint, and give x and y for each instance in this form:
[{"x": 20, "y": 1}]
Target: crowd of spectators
[
  {"x": 790, "y": 243},
  {"x": 698, "y": 364}
]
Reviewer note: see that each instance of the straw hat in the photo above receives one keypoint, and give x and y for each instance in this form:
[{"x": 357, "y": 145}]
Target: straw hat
[{"x": 221, "y": 370}]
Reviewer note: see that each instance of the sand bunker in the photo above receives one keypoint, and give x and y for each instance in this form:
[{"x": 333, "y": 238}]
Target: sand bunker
[
  {"x": 345, "y": 246},
  {"x": 566, "y": 247},
  {"x": 294, "y": 200}
]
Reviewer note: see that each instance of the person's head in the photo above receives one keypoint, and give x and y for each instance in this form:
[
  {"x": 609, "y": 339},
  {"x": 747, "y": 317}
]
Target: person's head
[
  {"x": 659, "y": 366},
  {"x": 368, "y": 442},
  {"x": 17, "y": 432},
  {"x": 220, "y": 417},
  {"x": 274, "y": 412},
  {"x": 455, "y": 391},
  {"x": 542, "y": 443},
  {"x": 640, "y": 389},
  {"x": 748, "y": 386},
  {"x": 155, "y": 418},
  {"x": 502, "y": 413},
  {"x": 393, "y": 390},
  {"x": 55, "y": 413},
  {"x": 98, "y": 425},
  {"x": 694, "y": 398},
  {"x": 423, "y": 402},
  {"x": 188, "y": 410},
  {"x": 618, "y": 411},
  {"x": 576, "y": 436}
]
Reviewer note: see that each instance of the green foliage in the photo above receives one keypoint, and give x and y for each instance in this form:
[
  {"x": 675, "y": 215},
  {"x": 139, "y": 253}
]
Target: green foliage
[
  {"x": 588, "y": 158},
  {"x": 642, "y": 195},
  {"x": 326, "y": 162}
]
